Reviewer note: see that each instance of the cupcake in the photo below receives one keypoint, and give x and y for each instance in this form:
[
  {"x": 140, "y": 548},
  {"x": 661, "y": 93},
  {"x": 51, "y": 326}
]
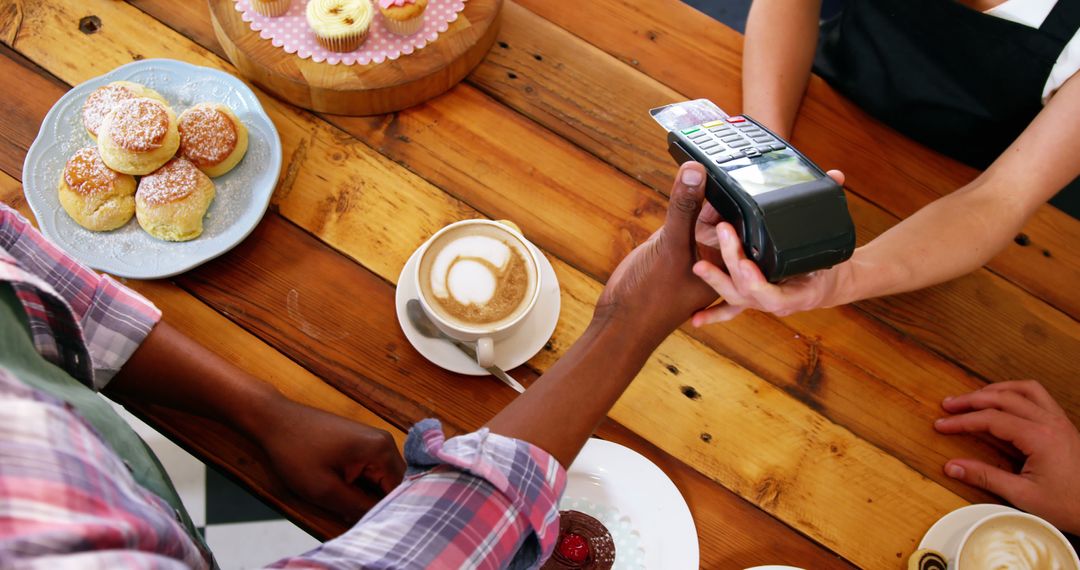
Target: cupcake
[
  {"x": 272, "y": 8},
  {"x": 403, "y": 17},
  {"x": 340, "y": 25}
]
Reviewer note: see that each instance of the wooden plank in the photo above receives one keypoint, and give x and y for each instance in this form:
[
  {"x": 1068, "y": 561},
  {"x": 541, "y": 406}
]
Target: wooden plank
[
  {"x": 568, "y": 191},
  {"x": 798, "y": 361},
  {"x": 356, "y": 346},
  {"x": 893, "y": 171},
  {"x": 214, "y": 442},
  {"x": 740, "y": 536},
  {"x": 733, "y": 533},
  {"x": 10, "y": 21},
  {"x": 579, "y": 92},
  {"x": 804, "y": 364},
  {"x": 773, "y": 441},
  {"x": 587, "y": 71},
  {"x": 22, "y": 107},
  {"x": 736, "y": 533},
  {"x": 352, "y": 346},
  {"x": 408, "y": 138},
  {"x": 982, "y": 341}
]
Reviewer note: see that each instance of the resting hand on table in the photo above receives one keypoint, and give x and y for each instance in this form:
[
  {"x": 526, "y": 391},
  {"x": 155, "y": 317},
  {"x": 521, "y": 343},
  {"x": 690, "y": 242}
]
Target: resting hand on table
[
  {"x": 319, "y": 455},
  {"x": 341, "y": 465},
  {"x": 1024, "y": 414},
  {"x": 654, "y": 283},
  {"x": 742, "y": 286}
]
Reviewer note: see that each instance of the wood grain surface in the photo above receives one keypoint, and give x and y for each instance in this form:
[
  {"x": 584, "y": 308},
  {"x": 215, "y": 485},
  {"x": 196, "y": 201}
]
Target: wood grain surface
[
  {"x": 502, "y": 138},
  {"x": 894, "y": 172},
  {"x": 805, "y": 440}
]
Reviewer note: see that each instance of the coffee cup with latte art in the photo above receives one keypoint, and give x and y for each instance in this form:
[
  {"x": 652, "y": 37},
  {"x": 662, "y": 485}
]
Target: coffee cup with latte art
[
  {"x": 478, "y": 280},
  {"x": 1015, "y": 541}
]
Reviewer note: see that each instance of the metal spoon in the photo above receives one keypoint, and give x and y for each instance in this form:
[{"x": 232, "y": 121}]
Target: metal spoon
[{"x": 422, "y": 323}]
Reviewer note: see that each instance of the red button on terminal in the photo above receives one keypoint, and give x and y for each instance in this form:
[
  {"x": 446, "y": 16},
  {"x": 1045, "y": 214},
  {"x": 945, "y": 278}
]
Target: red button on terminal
[{"x": 736, "y": 120}]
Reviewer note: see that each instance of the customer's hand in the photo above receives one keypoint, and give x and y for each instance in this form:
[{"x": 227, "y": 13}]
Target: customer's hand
[
  {"x": 742, "y": 286},
  {"x": 1024, "y": 414},
  {"x": 654, "y": 285},
  {"x": 341, "y": 465}
]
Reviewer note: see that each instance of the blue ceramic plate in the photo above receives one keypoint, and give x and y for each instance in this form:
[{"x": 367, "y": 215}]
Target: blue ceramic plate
[{"x": 242, "y": 195}]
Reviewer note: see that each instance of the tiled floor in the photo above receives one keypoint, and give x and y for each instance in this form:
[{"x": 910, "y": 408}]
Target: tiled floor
[{"x": 241, "y": 531}]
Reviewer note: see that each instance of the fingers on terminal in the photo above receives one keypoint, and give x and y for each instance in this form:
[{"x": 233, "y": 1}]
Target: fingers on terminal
[
  {"x": 718, "y": 280},
  {"x": 686, "y": 196},
  {"x": 692, "y": 174}
]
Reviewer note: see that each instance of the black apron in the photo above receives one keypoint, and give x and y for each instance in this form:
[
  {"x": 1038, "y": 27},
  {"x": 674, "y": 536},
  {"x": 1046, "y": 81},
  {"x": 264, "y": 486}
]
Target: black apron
[{"x": 959, "y": 81}]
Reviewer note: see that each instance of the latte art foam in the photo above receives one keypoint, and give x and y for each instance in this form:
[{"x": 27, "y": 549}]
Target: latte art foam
[
  {"x": 1015, "y": 544},
  {"x": 478, "y": 279}
]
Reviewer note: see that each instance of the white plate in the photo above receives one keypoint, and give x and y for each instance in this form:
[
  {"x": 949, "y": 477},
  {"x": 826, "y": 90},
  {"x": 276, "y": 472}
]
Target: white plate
[
  {"x": 510, "y": 352},
  {"x": 946, "y": 533},
  {"x": 242, "y": 195},
  {"x": 609, "y": 474},
  {"x": 629, "y": 554}
]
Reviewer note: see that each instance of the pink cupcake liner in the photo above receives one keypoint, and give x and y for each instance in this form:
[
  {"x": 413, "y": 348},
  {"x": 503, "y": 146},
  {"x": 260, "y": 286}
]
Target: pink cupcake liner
[
  {"x": 404, "y": 27},
  {"x": 338, "y": 45},
  {"x": 291, "y": 33},
  {"x": 272, "y": 9}
]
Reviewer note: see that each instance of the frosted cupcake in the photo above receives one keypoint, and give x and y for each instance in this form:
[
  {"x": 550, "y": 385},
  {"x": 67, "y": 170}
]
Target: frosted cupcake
[
  {"x": 340, "y": 25},
  {"x": 272, "y": 8},
  {"x": 403, "y": 17}
]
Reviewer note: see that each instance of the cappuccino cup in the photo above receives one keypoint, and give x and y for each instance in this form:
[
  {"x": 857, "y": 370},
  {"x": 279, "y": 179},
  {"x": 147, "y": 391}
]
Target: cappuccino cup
[
  {"x": 1015, "y": 541},
  {"x": 477, "y": 281}
]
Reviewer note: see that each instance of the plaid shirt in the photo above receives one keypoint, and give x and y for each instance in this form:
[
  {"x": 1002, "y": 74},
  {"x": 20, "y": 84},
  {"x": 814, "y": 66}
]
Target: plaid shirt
[{"x": 67, "y": 501}]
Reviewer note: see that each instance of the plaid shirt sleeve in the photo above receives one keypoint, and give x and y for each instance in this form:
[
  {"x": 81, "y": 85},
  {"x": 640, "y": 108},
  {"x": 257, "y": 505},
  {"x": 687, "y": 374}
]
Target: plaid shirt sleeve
[
  {"x": 68, "y": 501},
  {"x": 82, "y": 321},
  {"x": 480, "y": 500}
]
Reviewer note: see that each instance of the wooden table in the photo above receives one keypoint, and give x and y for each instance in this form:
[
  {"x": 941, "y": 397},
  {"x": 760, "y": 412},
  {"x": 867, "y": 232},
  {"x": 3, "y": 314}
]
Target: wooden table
[{"x": 805, "y": 440}]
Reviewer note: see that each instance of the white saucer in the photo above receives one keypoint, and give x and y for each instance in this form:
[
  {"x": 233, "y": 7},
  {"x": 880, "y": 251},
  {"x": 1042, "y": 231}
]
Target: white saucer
[
  {"x": 945, "y": 535},
  {"x": 510, "y": 352}
]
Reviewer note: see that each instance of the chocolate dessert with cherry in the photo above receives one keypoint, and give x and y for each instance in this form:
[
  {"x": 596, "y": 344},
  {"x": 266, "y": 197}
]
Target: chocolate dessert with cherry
[{"x": 584, "y": 543}]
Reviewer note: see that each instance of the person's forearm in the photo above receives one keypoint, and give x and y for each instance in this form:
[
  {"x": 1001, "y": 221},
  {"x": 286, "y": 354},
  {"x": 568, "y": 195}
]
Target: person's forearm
[
  {"x": 962, "y": 231},
  {"x": 562, "y": 409},
  {"x": 172, "y": 370},
  {"x": 949, "y": 237},
  {"x": 781, "y": 37}
]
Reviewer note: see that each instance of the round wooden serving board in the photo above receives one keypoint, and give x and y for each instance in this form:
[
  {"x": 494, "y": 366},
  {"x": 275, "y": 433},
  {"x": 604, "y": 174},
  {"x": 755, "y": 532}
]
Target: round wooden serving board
[{"x": 370, "y": 89}]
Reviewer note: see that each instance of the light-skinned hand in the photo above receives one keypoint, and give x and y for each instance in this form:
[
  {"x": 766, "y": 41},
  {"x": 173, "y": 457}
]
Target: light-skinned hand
[
  {"x": 1022, "y": 413},
  {"x": 742, "y": 285}
]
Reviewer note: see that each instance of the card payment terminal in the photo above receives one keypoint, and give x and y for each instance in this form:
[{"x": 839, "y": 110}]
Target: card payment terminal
[{"x": 792, "y": 218}]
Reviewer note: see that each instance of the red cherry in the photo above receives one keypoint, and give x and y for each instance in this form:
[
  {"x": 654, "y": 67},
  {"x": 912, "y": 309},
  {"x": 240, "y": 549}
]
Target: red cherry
[{"x": 574, "y": 548}]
